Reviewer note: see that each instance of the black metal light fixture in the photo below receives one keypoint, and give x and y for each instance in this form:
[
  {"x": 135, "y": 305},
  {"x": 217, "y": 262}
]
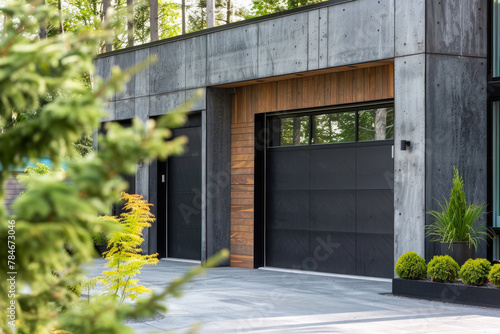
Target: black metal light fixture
[{"x": 405, "y": 144}]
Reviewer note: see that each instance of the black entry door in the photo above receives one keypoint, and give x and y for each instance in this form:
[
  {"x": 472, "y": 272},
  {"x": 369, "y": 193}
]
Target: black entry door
[
  {"x": 184, "y": 195},
  {"x": 330, "y": 208}
]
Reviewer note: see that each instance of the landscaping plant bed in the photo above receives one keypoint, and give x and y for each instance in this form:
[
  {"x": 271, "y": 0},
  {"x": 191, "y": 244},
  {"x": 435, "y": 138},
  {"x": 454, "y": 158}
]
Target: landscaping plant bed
[{"x": 456, "y": 293}]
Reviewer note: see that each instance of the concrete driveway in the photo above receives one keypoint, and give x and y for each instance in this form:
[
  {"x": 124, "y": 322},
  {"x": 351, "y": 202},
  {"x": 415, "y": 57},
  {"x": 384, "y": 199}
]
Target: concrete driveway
[{"x": 233, "y": 300}]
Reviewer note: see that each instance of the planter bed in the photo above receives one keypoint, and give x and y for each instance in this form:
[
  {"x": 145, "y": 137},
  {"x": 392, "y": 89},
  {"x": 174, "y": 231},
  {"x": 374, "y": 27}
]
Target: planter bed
[{"x": 457, "y": 293}]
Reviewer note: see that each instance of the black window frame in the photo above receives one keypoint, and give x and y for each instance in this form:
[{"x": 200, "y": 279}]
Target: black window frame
[
  {"x": 493, "y": 96},
  {"x": 355, "y": 107}
]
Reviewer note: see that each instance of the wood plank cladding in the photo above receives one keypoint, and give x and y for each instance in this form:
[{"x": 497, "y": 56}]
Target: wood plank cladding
[{"x": 335, "y": 88}]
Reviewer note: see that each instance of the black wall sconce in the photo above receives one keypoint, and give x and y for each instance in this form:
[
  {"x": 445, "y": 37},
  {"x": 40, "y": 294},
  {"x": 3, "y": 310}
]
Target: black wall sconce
[{"x": 405, "y": 144}]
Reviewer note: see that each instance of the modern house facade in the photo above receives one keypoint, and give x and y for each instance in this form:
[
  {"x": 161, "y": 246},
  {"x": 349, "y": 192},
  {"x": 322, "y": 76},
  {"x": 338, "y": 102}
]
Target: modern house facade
[{"x": 324, "y": 134}]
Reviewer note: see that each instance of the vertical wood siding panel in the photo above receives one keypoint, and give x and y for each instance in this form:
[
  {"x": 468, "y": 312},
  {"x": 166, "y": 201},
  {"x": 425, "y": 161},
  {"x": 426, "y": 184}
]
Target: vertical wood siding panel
[
  {"x": 379, "y": 83},
  {"x": 391, "y": 80},
  {"x": 385, "y": 81},
  {"x": 373, "y": 83},
  {"x": 366, "y": 84}
]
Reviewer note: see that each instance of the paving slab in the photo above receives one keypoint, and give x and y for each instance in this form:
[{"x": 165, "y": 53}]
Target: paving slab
[{"x": 235, "y": 300}]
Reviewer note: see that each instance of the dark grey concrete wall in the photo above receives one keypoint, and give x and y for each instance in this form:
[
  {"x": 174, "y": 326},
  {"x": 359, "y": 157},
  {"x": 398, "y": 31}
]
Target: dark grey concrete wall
[
  {"x": 218, "y": 170},
  {"x": 456, "y": 102},
  {"x": 456, "y": 134},
  {"x": 440, "y": 99},
  {"x": 457, "y": 27}
]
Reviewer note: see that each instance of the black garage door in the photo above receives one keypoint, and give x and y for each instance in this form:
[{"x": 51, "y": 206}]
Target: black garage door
[
  {"x": 329, "y": 192},
  {"x": 183, "y": 183}
]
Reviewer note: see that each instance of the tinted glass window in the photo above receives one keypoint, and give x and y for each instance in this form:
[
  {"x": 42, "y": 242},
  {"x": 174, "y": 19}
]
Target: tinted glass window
[
  {"x": 334, "y": 128},
  {"x": 496, "y": 177},
  {"x": 376, "y": 124},
  {"x": 496, "y": 38},
  {"x": 496, "y": 164},
  {"x": 290, "y": 131}
]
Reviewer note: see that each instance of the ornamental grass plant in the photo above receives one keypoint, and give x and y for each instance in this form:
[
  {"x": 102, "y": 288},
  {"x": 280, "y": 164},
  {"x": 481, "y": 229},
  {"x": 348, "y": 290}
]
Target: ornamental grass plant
[{"x": 457, "y": 220}]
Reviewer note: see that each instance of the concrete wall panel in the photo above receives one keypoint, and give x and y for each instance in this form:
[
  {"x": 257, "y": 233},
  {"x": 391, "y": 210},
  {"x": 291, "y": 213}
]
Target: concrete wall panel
[
  {"x": 360, "y": 31},
  {"x": 142, "y": 177},
  {"x": 142, "y": 78},
  {"x": 457, "y": 27},
  {"x": 103, "y": 68},
  {"x": 218, "y": 176},
  {"x": 125, "y": 109},
  {"x": 283, "y": 45},
  {"x": 456, "y": 109},
  {"x": 196, "y": 62},
  {"x": 199, "y": 104},
  {"x": 232, "y": 55},
  {"x": 162, "y": 104},
  {"x": 109, "y": 107},
  {"x": 409, "y": 29},
  {"x": 409, "y": 165},
  {"x": 169, "y": 72},
  {"x": 313, "y": 40},
  {"x": 475, "y": 27},
  {"x": 142, "y": 108},
  {"x": 323, "y": 38},
  {"x": 125, "y": 61}
]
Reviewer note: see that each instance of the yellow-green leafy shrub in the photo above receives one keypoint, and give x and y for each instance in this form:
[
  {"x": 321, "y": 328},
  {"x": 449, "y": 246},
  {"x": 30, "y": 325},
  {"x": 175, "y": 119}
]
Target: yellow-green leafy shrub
[
  {"x": 124, "y": 249},
  {"x": 475, "y": 271},
  {"x": 443, "y": 269},
  {"x": 411, "y": 266},
  {"x": 494, "y": 275}
]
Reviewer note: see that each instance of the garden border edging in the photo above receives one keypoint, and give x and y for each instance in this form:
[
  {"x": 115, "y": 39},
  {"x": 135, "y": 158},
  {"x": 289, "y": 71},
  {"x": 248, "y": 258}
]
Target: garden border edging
[{"x": 447, "y": 292}]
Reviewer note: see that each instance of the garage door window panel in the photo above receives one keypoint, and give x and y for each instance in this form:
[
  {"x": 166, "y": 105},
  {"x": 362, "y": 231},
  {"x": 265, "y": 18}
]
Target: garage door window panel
[
  {"x": 376, "y": 124},
  {"x": 334, "y": 128},
  {"x": 291, "y": 131}
]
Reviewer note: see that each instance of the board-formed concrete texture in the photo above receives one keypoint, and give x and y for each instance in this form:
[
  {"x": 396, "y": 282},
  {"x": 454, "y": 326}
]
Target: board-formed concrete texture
[
  {"x": 409, "y": 104},
  {"x": 232, "y": 55},
  {"x": 360, "y": 31},
  {"x": 439, "y": 51},
  {"x": 409, "y": 165},
  {"x": 196, "y": 62},
  {"x": 168, "y": 74},
  {"x": 218, "y": 170},
  {"x": 456, "y": 131},
  {"x": 141, "y": 79},
  {"x": 457, "y": 27},
  {"x": 283, "y": 45},
  {"x": 409, "y": 27}
]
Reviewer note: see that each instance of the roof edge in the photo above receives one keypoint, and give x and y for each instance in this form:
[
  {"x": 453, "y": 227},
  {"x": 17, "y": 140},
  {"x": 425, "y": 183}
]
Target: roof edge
[{"x": 224, "y": 27}]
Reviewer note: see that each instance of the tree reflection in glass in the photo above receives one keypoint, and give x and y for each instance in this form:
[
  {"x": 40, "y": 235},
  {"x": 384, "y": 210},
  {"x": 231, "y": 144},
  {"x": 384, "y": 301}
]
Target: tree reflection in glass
[
  {"x": 334, "y": 128},
  {"x": 376, "y": 124},
  {"x": 294, "y": 131}
]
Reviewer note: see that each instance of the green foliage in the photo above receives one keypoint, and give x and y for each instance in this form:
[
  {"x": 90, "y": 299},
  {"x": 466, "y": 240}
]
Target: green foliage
[
  {"x": 58, "y": 211},
  {"x": 40, "y": 170},
  {"x": 124, "y": 251},
  {"x": 169, "y": 14},
  {"x": 197, "y": 15},
  {"x": 475, "y": 271},
  {"x": 494, "y": 275},
  {"x": 458, "y": 221},
  {"x": 443, "y": 269},
  {"x": 411, "y": 266},
  {"x": 265, "y": 7},
  {"x": 99, "y": 238}
]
